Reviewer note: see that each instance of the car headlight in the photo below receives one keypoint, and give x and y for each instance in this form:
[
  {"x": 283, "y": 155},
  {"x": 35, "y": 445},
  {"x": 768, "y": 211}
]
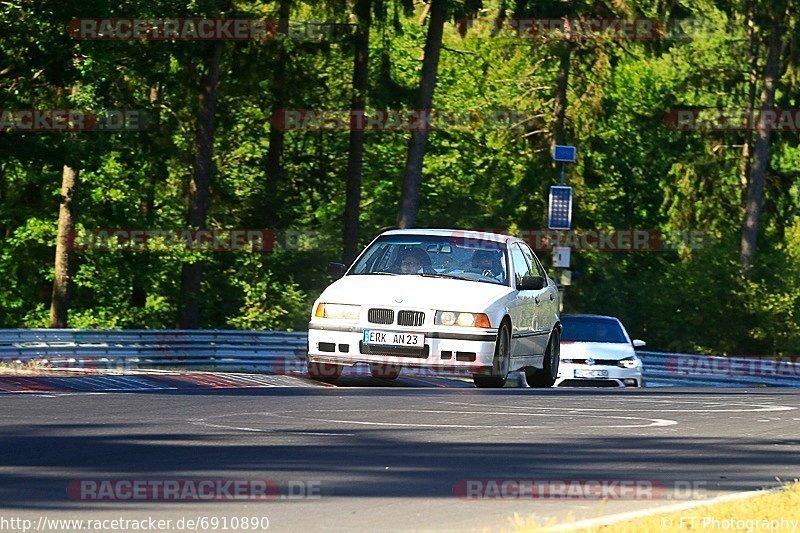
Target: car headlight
[
  {"x": 628, "y": 362},
  {"x": 467, "y": 320},
  {"x": 337, "y": 311}
]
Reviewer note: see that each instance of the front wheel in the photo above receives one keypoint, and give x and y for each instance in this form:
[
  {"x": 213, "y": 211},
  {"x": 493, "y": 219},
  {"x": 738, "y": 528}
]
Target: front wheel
[
  {"x": 546, "y": 377},
  {"x": 500, "y": 362}
]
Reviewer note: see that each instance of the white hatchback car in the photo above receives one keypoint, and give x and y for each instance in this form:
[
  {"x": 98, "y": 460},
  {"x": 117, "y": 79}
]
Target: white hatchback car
[
  {"x": 443, "y": 300},
  {"x": 597, "y": 351}
]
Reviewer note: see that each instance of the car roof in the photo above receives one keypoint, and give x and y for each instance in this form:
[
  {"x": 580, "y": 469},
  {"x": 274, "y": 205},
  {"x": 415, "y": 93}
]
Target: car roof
[{"x": 459, "y": 233}]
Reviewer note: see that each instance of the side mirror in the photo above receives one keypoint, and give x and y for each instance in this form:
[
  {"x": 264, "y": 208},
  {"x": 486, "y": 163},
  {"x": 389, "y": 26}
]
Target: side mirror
[
  {"x": 639, "y": 343},
  {"x": 531, "y": 283},
  {"x": 336, "y": 270}
]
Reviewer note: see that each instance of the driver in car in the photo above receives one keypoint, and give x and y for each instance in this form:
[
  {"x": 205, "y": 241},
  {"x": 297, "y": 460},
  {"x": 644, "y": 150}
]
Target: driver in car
[{"x": 488, "y": 264}]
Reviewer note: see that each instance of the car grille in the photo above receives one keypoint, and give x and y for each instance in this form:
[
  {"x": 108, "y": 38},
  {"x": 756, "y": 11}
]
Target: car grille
[
  {"x": 400, "y": 351},
  {"x": 597, "y": 362},
  {"x": 380, "y": 316},
  {"x": 410, "y": 318}
]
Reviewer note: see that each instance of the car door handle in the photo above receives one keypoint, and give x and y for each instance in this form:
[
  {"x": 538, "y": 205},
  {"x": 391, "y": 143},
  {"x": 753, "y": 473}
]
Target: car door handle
[
  {"x": 536, "y": 299},
  {"x": 552, "y": 297}
]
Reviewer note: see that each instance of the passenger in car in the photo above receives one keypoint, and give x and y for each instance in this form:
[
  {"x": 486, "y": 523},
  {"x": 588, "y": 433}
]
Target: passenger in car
[{"x": 414, "y": 261}]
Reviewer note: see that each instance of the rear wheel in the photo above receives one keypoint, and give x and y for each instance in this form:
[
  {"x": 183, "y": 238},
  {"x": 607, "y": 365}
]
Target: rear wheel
[
  {"x": 383, "y": 371},
  {"x": 546, "y": 377},
  {"x": 500, "y": 363},
  {"x": 324, "y": 371}
]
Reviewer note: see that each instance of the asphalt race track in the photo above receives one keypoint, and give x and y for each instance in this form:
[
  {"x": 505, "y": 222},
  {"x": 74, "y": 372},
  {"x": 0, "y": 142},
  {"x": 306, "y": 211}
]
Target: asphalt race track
[{"x": 391, "y": 458}]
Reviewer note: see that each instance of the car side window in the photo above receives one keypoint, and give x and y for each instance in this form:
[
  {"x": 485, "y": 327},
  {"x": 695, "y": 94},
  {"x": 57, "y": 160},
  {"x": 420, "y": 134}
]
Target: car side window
[
  {"x": 521, "y": 266},
  {"x": 536, "y": 266}
]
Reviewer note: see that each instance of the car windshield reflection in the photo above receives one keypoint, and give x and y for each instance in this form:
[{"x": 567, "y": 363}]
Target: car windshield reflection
[
  {"x": 432, "y": 256},
  {"x": 592, "y": 329}
]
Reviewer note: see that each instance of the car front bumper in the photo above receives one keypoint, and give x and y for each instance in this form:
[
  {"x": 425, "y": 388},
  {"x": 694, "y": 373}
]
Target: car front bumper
[
  {"x": 615, "y": 376},
  {"x": 460, "y": 350}
]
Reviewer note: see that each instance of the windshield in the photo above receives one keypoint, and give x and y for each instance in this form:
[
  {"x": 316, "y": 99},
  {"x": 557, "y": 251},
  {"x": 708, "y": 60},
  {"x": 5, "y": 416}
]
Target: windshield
[
  {"x": 592, "y": 329},
  {"x": 439, "y": 256}
]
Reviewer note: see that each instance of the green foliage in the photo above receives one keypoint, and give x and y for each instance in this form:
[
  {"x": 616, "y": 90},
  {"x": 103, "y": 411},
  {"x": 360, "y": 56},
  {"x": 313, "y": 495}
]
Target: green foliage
[
  {"x": 633, "y": 171},
  {"x": 268, "y": 303}
]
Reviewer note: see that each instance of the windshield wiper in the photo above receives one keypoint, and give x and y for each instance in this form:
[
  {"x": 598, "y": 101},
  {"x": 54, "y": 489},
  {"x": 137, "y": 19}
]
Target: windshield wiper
[
  {"x": 450, "y": 276},
  {"x": 447, "y": 276}
]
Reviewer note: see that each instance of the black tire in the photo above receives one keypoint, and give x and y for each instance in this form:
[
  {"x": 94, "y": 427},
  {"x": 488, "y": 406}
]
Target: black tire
[
  {"x": 326, "y": 372},
  {"x": 500, "y": 363},
  {"x": 546, "y": 377},
  {"x": 384, "y": 371}
]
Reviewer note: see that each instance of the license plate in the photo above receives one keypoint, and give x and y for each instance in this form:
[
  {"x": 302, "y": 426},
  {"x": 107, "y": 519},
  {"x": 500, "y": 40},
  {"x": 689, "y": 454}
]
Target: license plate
[
  {"x": 591, "y": 373},
  {"x": 394, "y": 338}
]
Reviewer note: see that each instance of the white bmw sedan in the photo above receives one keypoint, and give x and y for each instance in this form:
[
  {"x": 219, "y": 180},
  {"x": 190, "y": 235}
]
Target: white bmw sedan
[
  {"x": 597, "y": 351},
  {"x": 441, "y": 300}
]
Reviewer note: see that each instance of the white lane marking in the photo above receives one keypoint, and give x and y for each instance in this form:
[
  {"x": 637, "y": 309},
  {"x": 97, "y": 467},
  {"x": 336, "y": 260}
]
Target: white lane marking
[
  {"x": 203, "y": 423},
  {"x": 666, "y": 509},
  {"x": 760, "y": 408},
  {"x": 653, "y": 422}
]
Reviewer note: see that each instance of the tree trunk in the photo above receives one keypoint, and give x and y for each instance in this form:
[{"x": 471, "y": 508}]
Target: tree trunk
[
  {"x": 752, "y": 83},
  {"x": 755, "y": 190},
  {"x": 355, "y": 159},
  {"x": 279, "y": 91},
  {"x": 419, "y": 138},
  {"x": 64, "y": 264},
  {"x": 200, "y": 186},
  {"x": 159, "y": 172},
  {"x": 562, "y": 84},
  {"x": 3, "y": 184}
]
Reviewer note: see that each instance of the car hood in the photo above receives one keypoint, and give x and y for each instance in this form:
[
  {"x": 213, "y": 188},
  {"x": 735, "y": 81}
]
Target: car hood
[
  {"x": 596, "y": 350},
  {"x": 415, "y": 291}
]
